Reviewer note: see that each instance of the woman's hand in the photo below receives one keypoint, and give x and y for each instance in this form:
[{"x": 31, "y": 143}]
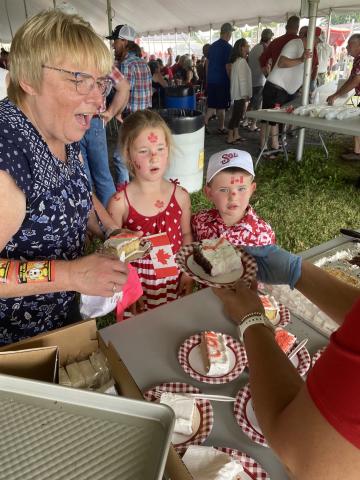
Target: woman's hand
[
  {"x": 97, "y": 274},
  {"x": 186, "y": 285},
  {"x": 241, "y": 302},
  {"x": 138, "y": 306}
]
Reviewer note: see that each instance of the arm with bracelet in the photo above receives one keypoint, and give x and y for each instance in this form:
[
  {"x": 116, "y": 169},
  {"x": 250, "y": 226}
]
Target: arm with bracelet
[{"x": 312, "y": 426}]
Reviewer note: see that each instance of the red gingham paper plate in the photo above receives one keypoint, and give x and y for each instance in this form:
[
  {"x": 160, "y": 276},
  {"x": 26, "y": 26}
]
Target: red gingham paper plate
[
  {"x": 251, "y": 468},
  {"x": 190, "y": 359},
  {"x": 244, "y": 415},
  {"x": 185, "y": 261},
  {"x": 301, "y": 361},
  {"x": 205, "y": 415},
  {"x": 284, "y": 315},
  {"x": 317, "y": 355}
]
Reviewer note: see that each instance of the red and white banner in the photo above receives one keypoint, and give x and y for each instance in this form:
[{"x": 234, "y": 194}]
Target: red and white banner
[{"x": 162, "y": 256}]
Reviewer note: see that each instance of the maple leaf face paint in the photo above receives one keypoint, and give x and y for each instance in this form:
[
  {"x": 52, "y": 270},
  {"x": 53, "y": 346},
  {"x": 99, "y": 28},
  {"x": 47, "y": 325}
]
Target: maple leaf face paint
[{"x": 149, "y": 154}]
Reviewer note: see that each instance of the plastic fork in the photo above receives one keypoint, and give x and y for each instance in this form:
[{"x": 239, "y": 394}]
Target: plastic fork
[{"x": 200, "y": 396}]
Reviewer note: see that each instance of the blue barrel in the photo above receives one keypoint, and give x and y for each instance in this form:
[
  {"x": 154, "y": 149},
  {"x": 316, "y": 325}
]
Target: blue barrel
[{"x": 180, "y": 97}]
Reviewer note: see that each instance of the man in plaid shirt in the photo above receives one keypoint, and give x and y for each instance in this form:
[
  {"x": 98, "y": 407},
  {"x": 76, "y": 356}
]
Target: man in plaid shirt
[
  {"x": 138, "y": 74},
  {"x": 93, "y": 145}
]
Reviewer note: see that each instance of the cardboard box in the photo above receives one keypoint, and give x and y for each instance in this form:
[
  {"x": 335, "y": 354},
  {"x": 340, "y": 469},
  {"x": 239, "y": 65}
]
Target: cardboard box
[
  {"x": 77, "y": 342},
  {"x": 34, "y": 363}
]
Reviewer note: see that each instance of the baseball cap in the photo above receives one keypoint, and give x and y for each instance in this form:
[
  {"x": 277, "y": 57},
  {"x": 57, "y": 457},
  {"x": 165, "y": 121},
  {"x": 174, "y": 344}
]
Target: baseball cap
[
  {"x": 226, "y": 28},
  {"x": 230, "y": 157},
  {"x": 124, "y": 32}
]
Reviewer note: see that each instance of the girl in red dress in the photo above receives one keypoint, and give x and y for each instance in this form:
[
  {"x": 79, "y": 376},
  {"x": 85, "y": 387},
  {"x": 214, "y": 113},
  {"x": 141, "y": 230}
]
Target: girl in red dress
[{"x": 151, "y": 204}]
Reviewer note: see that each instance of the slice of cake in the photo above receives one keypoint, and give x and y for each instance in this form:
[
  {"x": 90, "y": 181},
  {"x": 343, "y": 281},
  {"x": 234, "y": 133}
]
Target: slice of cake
[
  {"x": 284, "y": 339},
  {"x": 207, "y": 463},
  {"x": 217, "y": 256},
  {"x": 271, "y": 308},
  {"x": 213, "y": 349},
  {"x": 184, "y": 409},
  {"x": 125, "y": 243}
]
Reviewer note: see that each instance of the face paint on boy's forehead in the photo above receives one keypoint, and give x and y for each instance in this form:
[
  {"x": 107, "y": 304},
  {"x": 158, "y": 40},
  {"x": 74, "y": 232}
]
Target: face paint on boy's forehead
[
  {"x": 152, "y": 137},
  {"x": 237, "y": 180}
]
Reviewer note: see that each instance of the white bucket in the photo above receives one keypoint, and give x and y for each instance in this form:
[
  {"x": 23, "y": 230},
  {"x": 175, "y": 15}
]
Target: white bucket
[{"x": 187, "y": 160}]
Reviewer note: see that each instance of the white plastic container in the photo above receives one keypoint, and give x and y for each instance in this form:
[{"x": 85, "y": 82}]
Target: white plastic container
[{"x": 187, "y": 151}]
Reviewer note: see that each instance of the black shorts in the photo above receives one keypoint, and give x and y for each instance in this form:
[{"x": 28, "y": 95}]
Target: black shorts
[
  {"x": 272, "y": 95},
  {"x": 256, "y": 99},
  {"x": 218, "y": 96}
]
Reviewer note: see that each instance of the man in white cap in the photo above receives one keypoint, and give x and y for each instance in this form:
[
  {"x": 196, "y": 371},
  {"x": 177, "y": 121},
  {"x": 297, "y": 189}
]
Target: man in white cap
[
  {"x": 229, "y": 186},
  {"x": 138, "y": 74}
]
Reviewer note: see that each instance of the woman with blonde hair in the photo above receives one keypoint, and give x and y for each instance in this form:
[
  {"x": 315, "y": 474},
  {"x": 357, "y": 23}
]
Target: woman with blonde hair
[{"x": 57, "y": 83}]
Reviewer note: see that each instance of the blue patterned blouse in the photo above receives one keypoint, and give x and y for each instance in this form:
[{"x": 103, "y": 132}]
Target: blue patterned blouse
[{"x": 58, "y": 202}]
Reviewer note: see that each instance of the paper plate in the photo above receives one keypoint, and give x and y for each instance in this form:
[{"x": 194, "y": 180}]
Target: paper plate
[
  {"x": 203, "y": 418},
  {"x": 245, "y": 416},
  {"x": 252, "y": 469},
  {"x": 302, "y": 360},
  {"x": 317, "y": 355},
  {"x": 185, "y": 261},
  {"x": 283, "y": 317},
  {"x": 191, "y": 360}
]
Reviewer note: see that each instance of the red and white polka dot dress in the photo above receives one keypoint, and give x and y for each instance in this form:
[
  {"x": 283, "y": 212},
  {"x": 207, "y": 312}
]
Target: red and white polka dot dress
[{"x": 157, "y": 291}]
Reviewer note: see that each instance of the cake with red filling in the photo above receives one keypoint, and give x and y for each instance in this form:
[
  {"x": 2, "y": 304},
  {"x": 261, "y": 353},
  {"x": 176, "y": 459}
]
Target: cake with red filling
[
  {"x": 284, "y": 339},
  {"x": 217, "y": 256},
  {"x": 271, "y": 308},
  {"x": 213, "y": 349},
  {"x": 123, "y": 244}
]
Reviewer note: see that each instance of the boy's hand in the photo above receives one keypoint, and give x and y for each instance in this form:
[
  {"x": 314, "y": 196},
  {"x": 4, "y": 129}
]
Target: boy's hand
[{"x": 186, "y": 285}]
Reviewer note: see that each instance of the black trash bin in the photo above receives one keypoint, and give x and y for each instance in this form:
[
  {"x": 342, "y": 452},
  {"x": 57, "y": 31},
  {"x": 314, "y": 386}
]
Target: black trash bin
[{"x": 181, "y": 96}]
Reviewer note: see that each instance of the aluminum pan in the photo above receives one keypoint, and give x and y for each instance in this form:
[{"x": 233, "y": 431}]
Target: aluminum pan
[{"x": 59, "y": 433}]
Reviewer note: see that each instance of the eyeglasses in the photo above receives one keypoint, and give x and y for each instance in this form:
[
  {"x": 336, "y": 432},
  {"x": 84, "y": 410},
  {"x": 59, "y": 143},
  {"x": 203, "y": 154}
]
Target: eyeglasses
[{"x": 85, "y": 83}]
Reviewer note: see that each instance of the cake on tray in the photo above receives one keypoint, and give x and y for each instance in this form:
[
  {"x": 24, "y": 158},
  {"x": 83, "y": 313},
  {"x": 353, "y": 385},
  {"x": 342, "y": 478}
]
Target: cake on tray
[
  {"x": 284, "y": 339},
  {"x": 213, "y": 349},
  {"x": 217, "y": 256}
]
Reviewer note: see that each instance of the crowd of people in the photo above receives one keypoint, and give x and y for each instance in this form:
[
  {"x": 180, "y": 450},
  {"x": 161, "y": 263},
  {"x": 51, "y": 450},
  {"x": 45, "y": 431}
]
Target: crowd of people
[{"x": 63, "y": 84}]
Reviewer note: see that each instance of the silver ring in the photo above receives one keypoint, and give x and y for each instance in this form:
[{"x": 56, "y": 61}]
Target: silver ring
[{"x": 114, "y": 288}]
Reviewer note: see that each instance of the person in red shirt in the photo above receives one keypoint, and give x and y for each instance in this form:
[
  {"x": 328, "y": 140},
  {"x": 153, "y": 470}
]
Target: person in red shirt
[
  {"x": 313, "y": 426},
  {"x": 270, "y": 55},
  {"x": 353, "y": 81}
]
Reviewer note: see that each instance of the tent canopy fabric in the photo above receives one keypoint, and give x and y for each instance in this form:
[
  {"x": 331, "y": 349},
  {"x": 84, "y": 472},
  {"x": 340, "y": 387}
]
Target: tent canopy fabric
[{"x": 166, "y": 16}]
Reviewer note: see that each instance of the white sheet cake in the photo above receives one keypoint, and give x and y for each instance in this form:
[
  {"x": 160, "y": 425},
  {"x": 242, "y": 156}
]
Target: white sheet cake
[
  {"x": 217, "y": 256},
  {"x": 213, "y": 349},
  {"x": 184, "y": 409}
]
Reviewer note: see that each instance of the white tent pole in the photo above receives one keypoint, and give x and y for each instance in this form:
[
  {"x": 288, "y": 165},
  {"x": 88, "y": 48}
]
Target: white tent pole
[
  {"x": 25, "y": 8},
  {"x": 189, "y": 39},
  {"x": 210, "y": 34},
  {"x": 162, "y": 43},
  {"x": 328, "y": 31},
  {"x": 176, "y": 43},
  {"x": 258, "y": 30},
  {"x": 108, "y": 11},
  {"x": 148, "y": 42},
  {"x": 313, "y": 7}
]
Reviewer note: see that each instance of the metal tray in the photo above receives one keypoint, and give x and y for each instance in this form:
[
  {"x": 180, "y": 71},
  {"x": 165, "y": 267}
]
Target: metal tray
[{"x": 59, "y": 433}]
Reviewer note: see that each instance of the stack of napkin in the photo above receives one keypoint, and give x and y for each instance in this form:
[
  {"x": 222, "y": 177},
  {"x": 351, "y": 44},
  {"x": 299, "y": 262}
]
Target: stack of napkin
[{"x": 207, "y": 463}]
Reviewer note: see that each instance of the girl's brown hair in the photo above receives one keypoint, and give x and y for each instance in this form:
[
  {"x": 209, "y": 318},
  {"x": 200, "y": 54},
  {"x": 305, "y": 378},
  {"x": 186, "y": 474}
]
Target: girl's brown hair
[{"x": 133, "y": 125}]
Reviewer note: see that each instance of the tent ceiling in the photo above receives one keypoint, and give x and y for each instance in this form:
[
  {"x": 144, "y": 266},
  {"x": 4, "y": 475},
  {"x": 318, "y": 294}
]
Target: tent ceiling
[{"x": 155, "y": 16}]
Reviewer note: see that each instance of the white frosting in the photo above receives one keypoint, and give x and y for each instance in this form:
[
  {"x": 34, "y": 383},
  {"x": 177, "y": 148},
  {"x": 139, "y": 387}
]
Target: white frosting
[
  {"x": 224, "y": 258},
  {"x": 207, "y": 463},
  {"x": 184, "y": 408}
]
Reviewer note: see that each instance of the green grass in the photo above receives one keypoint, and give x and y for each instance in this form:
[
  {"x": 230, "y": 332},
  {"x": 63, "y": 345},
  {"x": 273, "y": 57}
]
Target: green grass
[{"x": 306, "y": 202}]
